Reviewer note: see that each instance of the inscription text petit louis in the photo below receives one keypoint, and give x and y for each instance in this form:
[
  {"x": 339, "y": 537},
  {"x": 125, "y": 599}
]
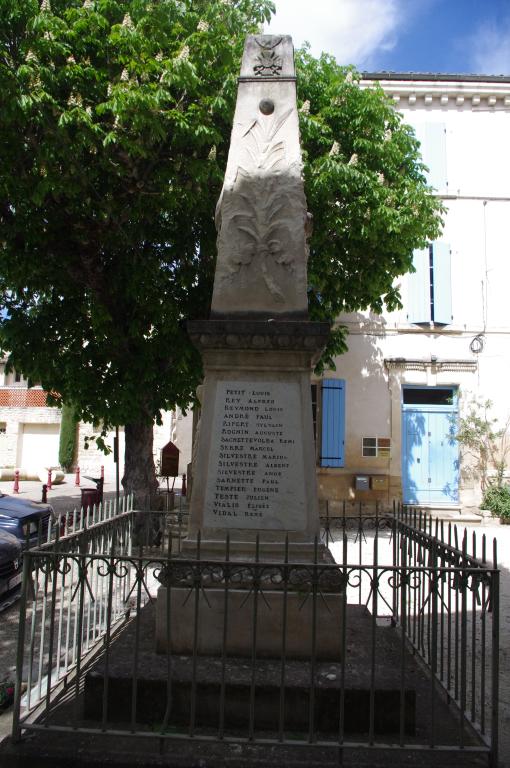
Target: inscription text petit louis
[{"x": 254, "y": 453}]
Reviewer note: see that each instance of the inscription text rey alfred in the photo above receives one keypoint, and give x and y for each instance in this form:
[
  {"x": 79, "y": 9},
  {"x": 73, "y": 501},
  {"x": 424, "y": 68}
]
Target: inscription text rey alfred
[{"x": 252, "y": 480}]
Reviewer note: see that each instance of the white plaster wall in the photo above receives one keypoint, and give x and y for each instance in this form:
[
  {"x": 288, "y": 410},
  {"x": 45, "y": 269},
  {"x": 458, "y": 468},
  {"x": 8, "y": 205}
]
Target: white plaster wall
[
  {"x": 476, "y": 227},
  {"x": 183, "y": 437}
]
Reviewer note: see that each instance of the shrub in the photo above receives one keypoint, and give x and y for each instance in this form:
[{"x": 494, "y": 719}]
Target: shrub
[
  {"x": 68, "y": 434},
  {"x": 497, "y": 500}
]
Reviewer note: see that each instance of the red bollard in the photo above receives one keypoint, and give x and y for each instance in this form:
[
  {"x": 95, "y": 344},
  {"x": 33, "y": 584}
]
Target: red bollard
[
  {"x": 183, "y": 488},
  {"x": 77, "y": 476},
  {"x": 16, "y": 482},
  {"x": 49, "y": 480},
  {"x": 102, "y": 472}
]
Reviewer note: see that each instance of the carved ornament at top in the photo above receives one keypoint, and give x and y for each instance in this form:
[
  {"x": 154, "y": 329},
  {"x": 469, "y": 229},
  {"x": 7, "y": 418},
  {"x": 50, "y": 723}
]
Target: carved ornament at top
[
  {"x": 261, "y": 214},
  {"x": 268, "y": 57},
  {"x": 269, "y": 63}
]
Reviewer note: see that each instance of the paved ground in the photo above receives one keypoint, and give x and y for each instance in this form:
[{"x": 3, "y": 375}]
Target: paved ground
[
  {"x": 502, "y": 536},
  {"x": 63, "y": 497}
]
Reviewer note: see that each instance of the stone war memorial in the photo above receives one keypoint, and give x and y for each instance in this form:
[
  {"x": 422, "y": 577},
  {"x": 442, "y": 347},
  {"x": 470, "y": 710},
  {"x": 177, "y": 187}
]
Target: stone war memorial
[
  {"x": 254, "y": 470},
  {"x": 254, "y": 479},
  {"x": 240, "y": 640}
]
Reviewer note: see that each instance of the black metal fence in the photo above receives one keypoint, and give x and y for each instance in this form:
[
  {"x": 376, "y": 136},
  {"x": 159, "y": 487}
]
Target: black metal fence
[{"x": 393, "y": 644}]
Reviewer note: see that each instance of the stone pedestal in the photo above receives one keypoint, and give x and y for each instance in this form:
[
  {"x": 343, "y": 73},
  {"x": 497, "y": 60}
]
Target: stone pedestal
[
  {"x": 245, "y": 628},
  {"x": 254, "y": 467}
]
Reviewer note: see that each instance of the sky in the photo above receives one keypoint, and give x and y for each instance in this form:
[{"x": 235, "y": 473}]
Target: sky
[{"x": 450, "y": 36}]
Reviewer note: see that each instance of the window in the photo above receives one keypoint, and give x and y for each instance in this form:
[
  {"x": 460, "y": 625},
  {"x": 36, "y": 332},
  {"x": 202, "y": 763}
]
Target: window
[
  {"x": 375, "y": 447},
  {"x": 3, "y": 427},
  {"x": 429, "y": 295},
  {"x": 332, "y": 453},
  {"x": 14, "y": 379},
  {"x": 429, "y": 396},
  {"x": 432, "y": 138},
  {"x": 328, "y": 415}
]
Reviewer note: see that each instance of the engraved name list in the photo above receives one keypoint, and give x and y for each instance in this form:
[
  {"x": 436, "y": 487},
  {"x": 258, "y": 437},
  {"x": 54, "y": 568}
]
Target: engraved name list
[{"x": 255, "y": 477}]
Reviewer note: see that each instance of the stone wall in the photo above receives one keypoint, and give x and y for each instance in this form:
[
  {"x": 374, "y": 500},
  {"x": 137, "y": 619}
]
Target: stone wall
[{"x": 174, "y": 427}]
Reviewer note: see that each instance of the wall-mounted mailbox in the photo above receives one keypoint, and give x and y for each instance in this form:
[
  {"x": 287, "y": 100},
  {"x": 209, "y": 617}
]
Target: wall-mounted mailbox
[
  {"x": 169, "y": 460},
  {"x": 361, "y": 482},
  {"x": 380, "y": 482}
]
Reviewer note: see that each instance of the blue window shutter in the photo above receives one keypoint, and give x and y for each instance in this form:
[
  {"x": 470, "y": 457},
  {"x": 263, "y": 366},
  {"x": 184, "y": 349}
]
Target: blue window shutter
[
  {"x": 442, "y": 283},
  {"x": 333, "y": 423},
  {"x": 432, "y": 137},
  {"x": 418, "y": 299}
]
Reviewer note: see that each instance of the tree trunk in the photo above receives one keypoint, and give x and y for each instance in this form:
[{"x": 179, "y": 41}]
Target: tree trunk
[{"x": 139, "y": 470}]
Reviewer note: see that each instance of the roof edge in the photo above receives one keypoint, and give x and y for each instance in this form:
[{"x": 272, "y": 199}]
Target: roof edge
[{"x": 435, "y": 77}]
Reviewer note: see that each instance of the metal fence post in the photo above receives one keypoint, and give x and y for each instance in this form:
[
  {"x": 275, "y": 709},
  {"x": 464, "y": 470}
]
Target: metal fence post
[
  {"x": 493, "y": 760},
  {"x": 16, "y": 729}
]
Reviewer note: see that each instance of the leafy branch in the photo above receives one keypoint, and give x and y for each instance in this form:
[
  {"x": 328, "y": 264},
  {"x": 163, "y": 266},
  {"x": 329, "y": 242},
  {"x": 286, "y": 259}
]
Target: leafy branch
[{"x": 485, "y": 442}]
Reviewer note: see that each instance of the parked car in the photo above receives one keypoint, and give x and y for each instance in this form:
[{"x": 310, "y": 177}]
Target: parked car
[
  {"x": 11, "y": 570},
  {"x": 27, "y": 520}
]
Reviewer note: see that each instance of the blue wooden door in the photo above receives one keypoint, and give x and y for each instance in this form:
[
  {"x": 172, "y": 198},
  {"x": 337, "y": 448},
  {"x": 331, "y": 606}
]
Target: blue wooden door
[{"x": 430, "y": 455}]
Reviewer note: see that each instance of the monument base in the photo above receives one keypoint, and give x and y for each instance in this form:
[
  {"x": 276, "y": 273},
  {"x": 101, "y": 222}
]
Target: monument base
[
  {"x": 270, "y": 624},
  {"x": 254, "y": 461},
  {"x": 202, "y": 678},
  {"x": 242, "y": 545}
]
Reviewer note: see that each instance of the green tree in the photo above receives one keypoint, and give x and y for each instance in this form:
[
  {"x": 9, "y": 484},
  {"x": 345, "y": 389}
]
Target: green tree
[
  {"x": 68, "y": 437},
  {"x": 114, "y": 128},
  {"x": 114, "y": 132},
  {"x": 365, "y": 187}
]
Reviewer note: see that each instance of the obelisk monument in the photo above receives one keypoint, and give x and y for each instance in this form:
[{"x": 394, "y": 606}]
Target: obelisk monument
[
  {"x": 254, "y": 461},
  {"x": 254, "y": 481},
  {"x": 254, "y": 464}
]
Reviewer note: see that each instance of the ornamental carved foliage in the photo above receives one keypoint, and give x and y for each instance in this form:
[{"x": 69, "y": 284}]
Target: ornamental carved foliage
[
  {"x": 268, "y": 62},
  {"x": 260, "y": 211},
  {"x": 262, "y": 232},
  {"x": 263, "y": 149}
]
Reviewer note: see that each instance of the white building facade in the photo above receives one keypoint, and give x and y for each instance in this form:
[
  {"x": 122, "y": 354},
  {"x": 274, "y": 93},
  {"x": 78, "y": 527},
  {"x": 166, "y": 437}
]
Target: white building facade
[{"x": 390, "y": 411}]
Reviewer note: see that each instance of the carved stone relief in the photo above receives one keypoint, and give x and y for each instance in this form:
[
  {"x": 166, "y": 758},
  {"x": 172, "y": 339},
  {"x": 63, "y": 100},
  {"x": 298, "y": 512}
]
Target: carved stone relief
[
  {"x": 260, "y": 232},
  {"x": 261, "y": 214},
  {"x": 268, "y": 62}
]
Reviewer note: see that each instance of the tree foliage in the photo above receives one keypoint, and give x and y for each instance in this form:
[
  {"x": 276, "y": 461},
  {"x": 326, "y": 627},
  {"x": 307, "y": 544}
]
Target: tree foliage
[
  {"x": 114, "y": 133},
  {"x": 365, "y": 185},
  {"x": 110, "y": 115},
  {"x": 484, "y": 443}
]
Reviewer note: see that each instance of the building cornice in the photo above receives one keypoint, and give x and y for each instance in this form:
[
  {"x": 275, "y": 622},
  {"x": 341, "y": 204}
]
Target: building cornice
[
  {"x": 444, "y": 77},
  {"x": 475, "y": 92},
  {"x": 435, "y": 366}
]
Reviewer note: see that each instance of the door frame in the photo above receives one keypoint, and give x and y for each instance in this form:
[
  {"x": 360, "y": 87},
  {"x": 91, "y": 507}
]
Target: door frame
[{"x": 452, "y": 408}]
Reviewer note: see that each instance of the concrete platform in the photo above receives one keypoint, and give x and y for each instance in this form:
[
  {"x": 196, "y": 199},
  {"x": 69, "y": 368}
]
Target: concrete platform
[
  {"x": 450, "y": 514},
  {"x": 66, "y": 747},
  {"x": 153, "y": 692}
]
